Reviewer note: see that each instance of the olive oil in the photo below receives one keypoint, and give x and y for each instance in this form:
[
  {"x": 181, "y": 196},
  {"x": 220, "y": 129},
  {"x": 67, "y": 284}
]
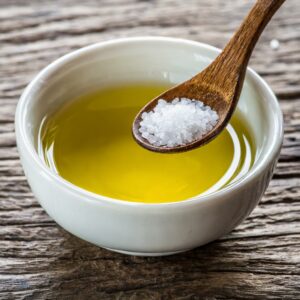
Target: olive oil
[{"x": 89, "y": 143}]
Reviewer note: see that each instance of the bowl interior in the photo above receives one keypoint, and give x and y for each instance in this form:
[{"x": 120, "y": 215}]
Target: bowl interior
[{"x": 161, "y": 60}]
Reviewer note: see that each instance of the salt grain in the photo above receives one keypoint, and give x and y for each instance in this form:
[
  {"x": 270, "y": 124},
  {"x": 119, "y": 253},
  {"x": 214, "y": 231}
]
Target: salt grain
[
  {"x": 178, "y": 122},
  {"x": 274, "y": 44}
]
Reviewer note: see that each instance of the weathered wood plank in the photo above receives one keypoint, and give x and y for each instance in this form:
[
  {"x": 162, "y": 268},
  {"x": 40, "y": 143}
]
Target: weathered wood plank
[{"x": 38, "y": 260}]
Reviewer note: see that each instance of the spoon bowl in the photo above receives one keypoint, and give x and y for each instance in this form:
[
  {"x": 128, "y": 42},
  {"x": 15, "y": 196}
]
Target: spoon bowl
[{"x": 190, "y": 89}]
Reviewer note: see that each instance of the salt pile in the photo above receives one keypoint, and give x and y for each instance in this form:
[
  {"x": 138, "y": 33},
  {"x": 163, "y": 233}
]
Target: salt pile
[{"x": 178, "y": 122}]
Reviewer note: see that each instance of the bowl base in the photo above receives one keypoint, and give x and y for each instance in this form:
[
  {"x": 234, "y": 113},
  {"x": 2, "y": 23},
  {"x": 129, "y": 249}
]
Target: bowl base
[{"x": 147, "y": 253}]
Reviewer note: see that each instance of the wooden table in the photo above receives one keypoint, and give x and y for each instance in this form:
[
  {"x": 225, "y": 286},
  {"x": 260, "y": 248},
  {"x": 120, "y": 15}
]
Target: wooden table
[{"x": 38, "y": 260}]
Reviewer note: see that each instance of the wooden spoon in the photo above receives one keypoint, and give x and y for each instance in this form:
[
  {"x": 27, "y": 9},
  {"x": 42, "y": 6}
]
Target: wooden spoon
[{"x": 220, "y": 84}]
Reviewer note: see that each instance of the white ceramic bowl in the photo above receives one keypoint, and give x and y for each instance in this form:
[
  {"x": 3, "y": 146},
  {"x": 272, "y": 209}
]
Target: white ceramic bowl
[{"x": 137, "y": 228}]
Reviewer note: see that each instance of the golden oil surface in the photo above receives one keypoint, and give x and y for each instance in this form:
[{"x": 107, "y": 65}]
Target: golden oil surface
[{"x": 89, "y": 143}]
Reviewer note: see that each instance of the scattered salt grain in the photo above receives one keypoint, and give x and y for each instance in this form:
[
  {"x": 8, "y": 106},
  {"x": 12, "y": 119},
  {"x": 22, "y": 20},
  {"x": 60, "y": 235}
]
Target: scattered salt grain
[
  {"x": 178, "y": 122},
  {"x": 274, "y": 44}
]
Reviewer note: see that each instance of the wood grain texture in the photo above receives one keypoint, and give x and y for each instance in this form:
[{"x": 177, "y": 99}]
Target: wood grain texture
[{"x": 38, "y": 260}]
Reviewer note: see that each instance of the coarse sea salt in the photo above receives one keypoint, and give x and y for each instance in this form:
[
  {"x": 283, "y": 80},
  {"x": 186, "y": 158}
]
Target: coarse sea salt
[
  {"x": 274, "y": 44},
  {"x": 178, "y": 122}
]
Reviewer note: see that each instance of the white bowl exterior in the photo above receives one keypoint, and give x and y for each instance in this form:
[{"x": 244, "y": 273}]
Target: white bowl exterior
[
  {"x": 148, "y": 229},
  {"x": 151, "y": 229}
]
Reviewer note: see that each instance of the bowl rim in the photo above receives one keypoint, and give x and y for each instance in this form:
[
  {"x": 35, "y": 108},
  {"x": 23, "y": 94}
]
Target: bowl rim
[{"x": 22, "y": 135}]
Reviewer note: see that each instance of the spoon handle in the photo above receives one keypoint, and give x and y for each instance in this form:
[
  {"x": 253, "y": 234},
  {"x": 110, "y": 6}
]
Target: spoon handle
[{"x": 230, "y": 66}]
